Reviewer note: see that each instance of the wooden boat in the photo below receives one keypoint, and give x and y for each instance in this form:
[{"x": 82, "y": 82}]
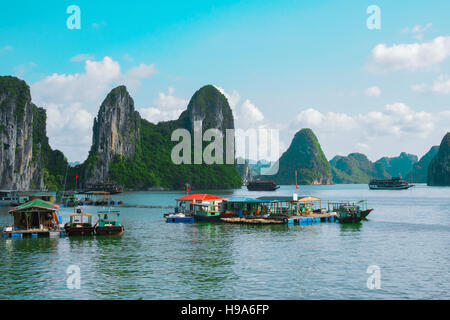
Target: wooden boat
[
  {"x": 80, "y": 224},
  {"x": 348, "y": 213},
  {"x": 259, "y": 185},
  {"x": 365, "y": 213},
  {"x": 108, "y": 223}
]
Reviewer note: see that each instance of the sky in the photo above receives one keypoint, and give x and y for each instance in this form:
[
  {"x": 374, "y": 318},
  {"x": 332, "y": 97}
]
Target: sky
[{"x": 283, "y": 65}]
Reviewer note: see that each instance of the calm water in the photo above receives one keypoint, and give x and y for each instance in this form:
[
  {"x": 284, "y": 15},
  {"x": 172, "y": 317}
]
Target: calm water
[{"x": 407, "y": 236}]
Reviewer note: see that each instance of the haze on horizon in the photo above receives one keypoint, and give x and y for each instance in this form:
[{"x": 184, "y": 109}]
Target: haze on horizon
[{"x": 315, "y": 65}]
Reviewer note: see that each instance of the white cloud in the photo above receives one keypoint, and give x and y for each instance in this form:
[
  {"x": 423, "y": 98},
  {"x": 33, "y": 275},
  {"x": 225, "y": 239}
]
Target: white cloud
[
  {"x": 22, "y": 69},
  {"x": 166, "y": 107},
  {"x": 6, "y": 49},
  {"x": 441, "y": 85},
  {"x": 327, "y": 122},
  {"x": 418, "y": 31},
  {"x": 72, "y": 100},
  {"x": 82, "y": 57},
  {"x": 250, "y": 113},
  {"x": 396, "y": 128},
  {"x": 373, "y": 91},
  {"x": 409, "y": 56},
  {"x": 233, "y": 98}
]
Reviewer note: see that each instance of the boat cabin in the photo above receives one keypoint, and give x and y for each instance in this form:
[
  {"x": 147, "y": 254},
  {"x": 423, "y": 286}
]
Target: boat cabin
[
  {"x": 80, "y": 219},
  {"x": 108, "y": 218}
]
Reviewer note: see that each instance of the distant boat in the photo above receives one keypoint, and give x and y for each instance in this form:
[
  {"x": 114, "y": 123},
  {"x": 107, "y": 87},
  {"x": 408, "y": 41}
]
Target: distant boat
[
  {"x": 110, "y": 187},
  {"x": 389, "y": 184},
  {"x": 259, "y": 185}
]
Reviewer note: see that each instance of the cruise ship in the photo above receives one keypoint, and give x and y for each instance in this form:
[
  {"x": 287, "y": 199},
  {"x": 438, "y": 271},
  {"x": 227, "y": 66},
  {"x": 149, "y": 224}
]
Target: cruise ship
[{"x": 389, "y": 184}]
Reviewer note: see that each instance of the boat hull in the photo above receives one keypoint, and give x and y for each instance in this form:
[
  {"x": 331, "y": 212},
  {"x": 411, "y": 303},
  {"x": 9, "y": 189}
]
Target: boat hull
[
  {"x": 375, "y": 187},
  {"x": 207, "y": 218},
  {"x": 257, "y": 188},
  {"x": 79, "y": 231},
  {"x": 110, "y": 231},
  {"x": 365, "y": 213}
]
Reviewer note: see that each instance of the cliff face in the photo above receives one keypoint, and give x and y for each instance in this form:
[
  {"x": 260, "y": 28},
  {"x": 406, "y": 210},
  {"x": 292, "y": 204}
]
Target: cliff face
[
  {"x": 137, "y": 154},
  {"x": 306, "y": 156},
  {"x": 419, "y": 173},
  {"x": 356, "y": 168},
  {"x": 18, "y": 171},
  {"x": 399, "y": 166},
  {"x": 115, "y": 133},
  {"x": 439, "y": 168}
]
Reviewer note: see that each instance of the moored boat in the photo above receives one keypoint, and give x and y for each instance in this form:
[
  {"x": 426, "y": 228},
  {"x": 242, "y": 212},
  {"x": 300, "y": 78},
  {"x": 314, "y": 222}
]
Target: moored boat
[
  {"x": 108, "y": 223},
  {"x": 346, "y": 212},
  {"x": 80, "y": 224},
  {"x": 179, "y": 217}
]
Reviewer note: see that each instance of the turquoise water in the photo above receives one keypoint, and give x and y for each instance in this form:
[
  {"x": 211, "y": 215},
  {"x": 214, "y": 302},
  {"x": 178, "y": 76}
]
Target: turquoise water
[{"x": 407, "y": 236}]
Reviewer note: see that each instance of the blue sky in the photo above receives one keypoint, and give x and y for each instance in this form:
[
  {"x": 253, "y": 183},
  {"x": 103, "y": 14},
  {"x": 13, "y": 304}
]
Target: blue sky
[{"x": 291, "y": 63}]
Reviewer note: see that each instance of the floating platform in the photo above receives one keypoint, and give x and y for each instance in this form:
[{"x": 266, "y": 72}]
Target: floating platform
[
  {"x": 19, "y": 234},
  {"x": 293, "y": 220}
]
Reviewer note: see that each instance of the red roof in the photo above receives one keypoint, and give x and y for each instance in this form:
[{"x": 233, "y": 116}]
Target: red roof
[{"x": 200, "y": 197}]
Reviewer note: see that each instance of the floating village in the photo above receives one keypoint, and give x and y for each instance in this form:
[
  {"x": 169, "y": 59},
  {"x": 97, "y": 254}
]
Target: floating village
[{"x": 37, "y": 214}]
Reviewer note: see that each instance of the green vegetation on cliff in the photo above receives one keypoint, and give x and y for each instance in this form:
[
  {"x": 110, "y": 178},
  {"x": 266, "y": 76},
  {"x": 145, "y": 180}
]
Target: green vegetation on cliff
[
  {"x": 356, "y": 168},
  {"x": 151, "y": 163},
  {"x": 306, "y": 156},
  {"x": 52, "y": 162},
  {"x": 439, "y": 168},
  {"x": 419, "y": 173}
]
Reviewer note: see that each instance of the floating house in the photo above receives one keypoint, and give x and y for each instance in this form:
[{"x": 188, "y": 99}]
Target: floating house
[
  {"x": 7, "y": 197},
  {"x": 203, "y": 207},
  {"x": 35, "y": 218},
  {"x": 274, "y": 210}
]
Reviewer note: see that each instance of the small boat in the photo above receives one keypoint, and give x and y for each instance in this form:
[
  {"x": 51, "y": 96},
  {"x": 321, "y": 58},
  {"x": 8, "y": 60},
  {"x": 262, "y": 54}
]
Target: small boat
[
  {"x": 108, "y": 223},
  {"x": 179, "y": 217},
  {"x": 80, "y": 224},
  {"x": 389, "y": 184},
  {"x": 348, "y": 213},
  {"x": 260, "y": 185}
]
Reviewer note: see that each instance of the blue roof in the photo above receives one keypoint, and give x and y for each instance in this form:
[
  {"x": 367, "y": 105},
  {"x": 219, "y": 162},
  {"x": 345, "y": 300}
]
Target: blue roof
[{"x": 244, "y": 199}]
